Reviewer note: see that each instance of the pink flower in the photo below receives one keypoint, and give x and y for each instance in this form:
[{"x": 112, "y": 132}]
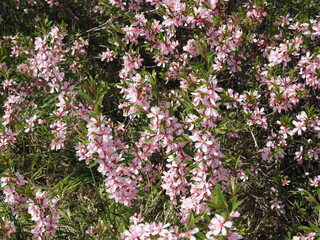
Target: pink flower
[
  {"x": 278, "y": 206},
  {"x": 218, "y": 225},
  {"x": 300, "y": 126},
  {"x": 190, "y": 234},
  {"x": 234, "y": 236},
  {"x": 285, "y": 181},
  {"x": 234, "y": 214},
  {"x": 31, "y": 123},
  {"x": 107, "y": 55},
  {"x": 8, "y": 227}
]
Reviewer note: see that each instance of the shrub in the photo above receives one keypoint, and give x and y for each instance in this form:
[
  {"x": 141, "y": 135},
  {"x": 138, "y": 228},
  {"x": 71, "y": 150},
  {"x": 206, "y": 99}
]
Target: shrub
[{"x": 158, "y": 119}]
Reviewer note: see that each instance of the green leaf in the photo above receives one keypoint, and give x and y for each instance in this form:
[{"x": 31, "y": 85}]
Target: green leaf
[
  {"x": 223, "y": 123},
  {"x": 220, "y": 197},
  {"x": 238, "y": 187},
  {"x": 150, "y": 138},
  {"x": 238, "y": 156},
  {"x": 236, "y": 205},
  {"x": 92, "y": 114},
  {"x": 148, "y": 129},
  {"x": 201, "y": 48},
  {"x": 211, "y": 204},
  {"x": 98, "y": 104},
  {"x": 91, "y": 165},
  {"x": 304, "y": 228},
  {"x": 196, "y": 66},
  {"x": 309, "y": 197},
  {"x": 201, "y": 235},
  {"x": 314, "y": 227},
  {"x": 190, "y": 220},
  {"x": 188, "y": 151},
  {"x": 195, "y": 112},
  {"x": 184, "y": 137},
  {"x": 218, "y": 131}
]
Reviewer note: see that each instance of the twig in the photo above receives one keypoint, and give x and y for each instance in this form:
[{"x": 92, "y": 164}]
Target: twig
[{"x": 254, "y": 139}]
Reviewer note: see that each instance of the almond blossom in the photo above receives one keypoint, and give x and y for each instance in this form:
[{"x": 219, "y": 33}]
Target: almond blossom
[{"x": 218, "y": 225}]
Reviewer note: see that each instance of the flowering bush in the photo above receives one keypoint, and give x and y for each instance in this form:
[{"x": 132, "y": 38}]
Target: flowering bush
[{"x": 157, "y": 119}]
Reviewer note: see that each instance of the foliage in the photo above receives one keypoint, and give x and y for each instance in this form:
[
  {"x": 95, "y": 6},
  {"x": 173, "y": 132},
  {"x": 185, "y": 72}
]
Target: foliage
[{"x": 157, "y": 119}]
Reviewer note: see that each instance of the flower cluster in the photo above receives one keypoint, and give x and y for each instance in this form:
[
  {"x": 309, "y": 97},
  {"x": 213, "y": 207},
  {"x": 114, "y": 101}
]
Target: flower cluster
[
  {"x": 173, "y": 106},
  {"x": 42, "y": 210}
]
